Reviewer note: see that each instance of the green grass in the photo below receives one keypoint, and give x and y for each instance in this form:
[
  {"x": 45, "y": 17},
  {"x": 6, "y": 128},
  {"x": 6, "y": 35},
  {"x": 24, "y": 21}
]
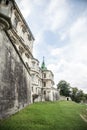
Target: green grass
[{"x": 62, "y": 115}]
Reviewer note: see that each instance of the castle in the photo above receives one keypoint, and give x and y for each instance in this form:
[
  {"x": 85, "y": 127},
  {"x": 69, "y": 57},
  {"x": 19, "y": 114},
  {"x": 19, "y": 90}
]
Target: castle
[{"x": 22, "y": 81}]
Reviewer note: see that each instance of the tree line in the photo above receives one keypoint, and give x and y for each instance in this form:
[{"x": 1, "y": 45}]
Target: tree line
[{"x": 66, "y": 90}]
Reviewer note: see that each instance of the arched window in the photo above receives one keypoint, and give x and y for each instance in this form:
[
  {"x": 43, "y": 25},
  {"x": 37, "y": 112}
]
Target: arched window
[{"x": 7, "y": 2}]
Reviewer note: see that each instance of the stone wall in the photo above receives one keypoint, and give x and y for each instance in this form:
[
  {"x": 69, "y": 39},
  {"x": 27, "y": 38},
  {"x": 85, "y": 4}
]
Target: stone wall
[
  {"x": 15, "y": 81},
  {"x": 21, "y": 78},
  {"x": 65, "y": 98}
]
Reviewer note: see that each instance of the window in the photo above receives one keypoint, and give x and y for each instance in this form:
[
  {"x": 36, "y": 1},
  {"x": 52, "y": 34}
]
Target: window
[
  {"x": 32, "y": 89},
  {"x": 44, "y": 92},
  {"x": 36, "y": 90},
  {"x": 32, "y": 77},
  {"x": 7, "y": 2},
  {"x": 23, "y": 29},
  {"x": 44, "y": 75},
  {"x": 29, "y": 38},
  {"x": 27, "y": 55},
  {"x": 21, "y": 49},
  {"x": 33, "y": 64},
  {"x": 4, "y": 2},
  {"x": 27, "y": 46},
  {"x": 21, "y": 38},
  {"x": 44, "y": 84},
  {"x": 15, "y": 22}
]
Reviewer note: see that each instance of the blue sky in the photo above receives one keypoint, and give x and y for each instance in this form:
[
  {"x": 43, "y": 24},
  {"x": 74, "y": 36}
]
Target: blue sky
[{"x": 60, "y": 31}]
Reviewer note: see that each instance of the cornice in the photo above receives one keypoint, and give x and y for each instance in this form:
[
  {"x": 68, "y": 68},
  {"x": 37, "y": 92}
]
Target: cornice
[
  {"x": 33, "y": 70},
  {"x": 19, "y": 12}
]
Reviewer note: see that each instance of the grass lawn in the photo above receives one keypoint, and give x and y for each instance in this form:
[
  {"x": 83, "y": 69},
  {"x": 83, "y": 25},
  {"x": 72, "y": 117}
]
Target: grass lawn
[{"x": 62, "y": 115}]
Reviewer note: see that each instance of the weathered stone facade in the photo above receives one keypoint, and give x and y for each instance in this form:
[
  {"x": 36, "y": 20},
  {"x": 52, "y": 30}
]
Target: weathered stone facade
[
  {"x": 14, "y": 85},
  {"x": 21, "y": 78},
  {"x": 16, "y": 43}
]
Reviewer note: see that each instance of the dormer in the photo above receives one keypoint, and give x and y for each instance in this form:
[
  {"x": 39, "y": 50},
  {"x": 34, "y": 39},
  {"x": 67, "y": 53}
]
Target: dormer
[{"x": 5, "y": 13}]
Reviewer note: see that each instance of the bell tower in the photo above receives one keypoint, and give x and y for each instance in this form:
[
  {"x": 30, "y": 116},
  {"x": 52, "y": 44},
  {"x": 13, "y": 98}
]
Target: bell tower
[{"x": 5, "y": 13}]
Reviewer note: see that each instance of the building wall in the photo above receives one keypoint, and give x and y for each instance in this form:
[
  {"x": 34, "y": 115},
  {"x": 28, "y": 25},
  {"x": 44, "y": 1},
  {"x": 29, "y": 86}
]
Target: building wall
[
  {"x": 47, "y": 74},
  {"x": 36, "y": 75},
  {"x": 22, "y": 30},
  {"x": 21, "y": 78},
  {"x": 42, "y": 84},
  {"x": 15, "y": 81},
  {"x": 65, "y": 98}
]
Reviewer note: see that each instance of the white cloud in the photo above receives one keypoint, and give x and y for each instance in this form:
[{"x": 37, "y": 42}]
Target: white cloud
[
  {"x": 39, "y": 2},
  {"x": 38, "y": 38},
  {"x": 25, "y": 6},
  {"x": 79, "y": 29},
  {"x": 56, "y": 14},
  {"x": 69, "y": 61},
  {"x": 72, "y": 63},
  {"x": 57, "y": 51}
]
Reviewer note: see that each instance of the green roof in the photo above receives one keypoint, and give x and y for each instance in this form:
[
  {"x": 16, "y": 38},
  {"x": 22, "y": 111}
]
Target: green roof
[{"x": 43, "y": 67}]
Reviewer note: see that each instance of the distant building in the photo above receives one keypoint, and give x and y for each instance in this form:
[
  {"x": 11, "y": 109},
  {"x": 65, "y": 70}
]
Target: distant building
[
  {"x": 42, "y": 83},
  {"x": 49, "y": 92},
  {"x": 22, "y": 81}
]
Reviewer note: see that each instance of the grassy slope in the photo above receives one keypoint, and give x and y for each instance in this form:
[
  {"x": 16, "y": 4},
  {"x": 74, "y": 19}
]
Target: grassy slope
[{"x": 60, "y": 115}]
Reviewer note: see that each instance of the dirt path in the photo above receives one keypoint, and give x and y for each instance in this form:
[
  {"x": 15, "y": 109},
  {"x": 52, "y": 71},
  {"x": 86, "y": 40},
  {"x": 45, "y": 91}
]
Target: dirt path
[{"x": 83, "y": 118}]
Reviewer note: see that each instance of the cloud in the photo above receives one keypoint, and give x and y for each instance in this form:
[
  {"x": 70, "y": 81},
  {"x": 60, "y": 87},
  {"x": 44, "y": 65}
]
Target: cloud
[
  {"x": 51, "y": 18},
  {"x": 67, "y": 20},
  {"x": 72, "y": 63},
  {"x": 57, "y": 51},
  {"x": 56, "y": 14},
  {"x": 25, "y": 6},
  {"x": 39, "y": 2},
  {"x": 45, "y": 15},
  {"x": 79, "y": 28}
]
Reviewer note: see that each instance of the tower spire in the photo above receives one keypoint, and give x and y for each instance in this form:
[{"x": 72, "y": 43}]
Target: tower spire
[
  {"x": 43, "y": 59},
  {"x": 43, "y": 67}
]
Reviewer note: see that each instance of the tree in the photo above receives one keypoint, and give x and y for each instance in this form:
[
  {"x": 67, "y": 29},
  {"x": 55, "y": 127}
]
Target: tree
[
  {"x": 77, "y": 95},
  {"x": 80, "y": 95},
  {"x": 84, "y": 98},
  {"x": 34, "y": 96},
  {"x": 64, "y": 88},
  {"x": 85, "y": 95},
  {"x": 74, "y": 93}
]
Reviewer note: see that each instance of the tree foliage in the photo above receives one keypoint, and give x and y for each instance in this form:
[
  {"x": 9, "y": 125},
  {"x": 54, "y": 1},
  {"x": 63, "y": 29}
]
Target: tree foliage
[
  {"x": 75, "y": 94},
  {"x": 34, "y": 96},
  {"x": 64, "y": 88}
]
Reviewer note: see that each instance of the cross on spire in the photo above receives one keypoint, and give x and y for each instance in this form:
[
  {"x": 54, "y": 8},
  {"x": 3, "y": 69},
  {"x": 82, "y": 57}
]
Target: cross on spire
[{"x": 43, "y": 58}]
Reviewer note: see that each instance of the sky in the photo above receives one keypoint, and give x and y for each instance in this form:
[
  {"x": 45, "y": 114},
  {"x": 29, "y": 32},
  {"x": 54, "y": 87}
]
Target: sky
[{"x": 60, "y": 31}]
